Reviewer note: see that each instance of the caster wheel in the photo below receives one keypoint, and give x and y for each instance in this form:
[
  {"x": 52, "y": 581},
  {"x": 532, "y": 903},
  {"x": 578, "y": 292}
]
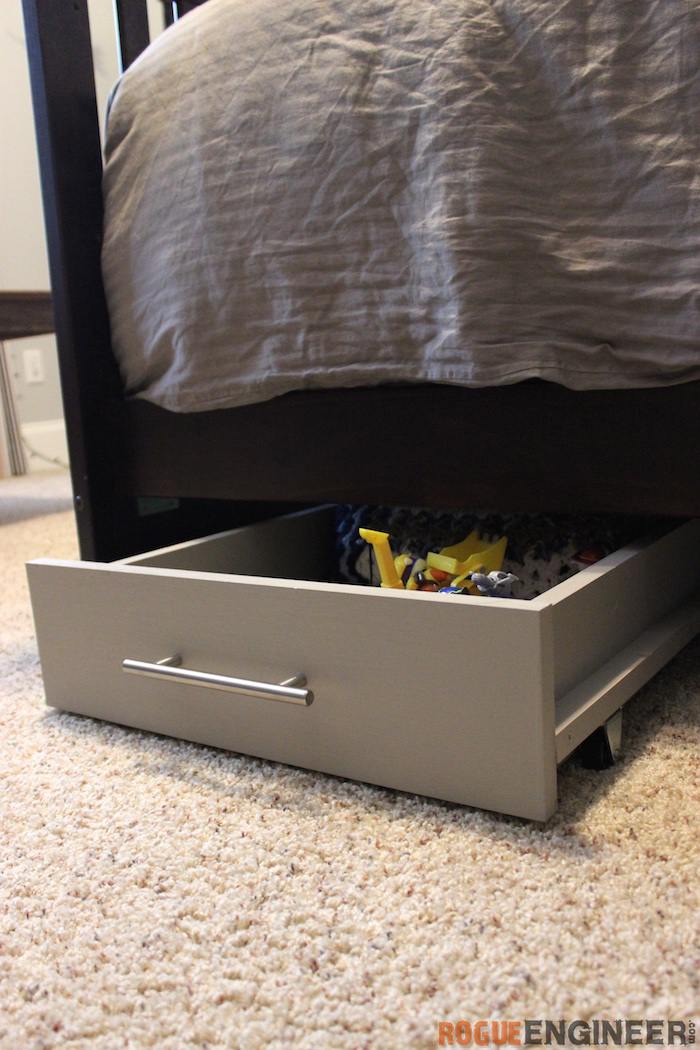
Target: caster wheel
[{"x": 603, "y": 747}]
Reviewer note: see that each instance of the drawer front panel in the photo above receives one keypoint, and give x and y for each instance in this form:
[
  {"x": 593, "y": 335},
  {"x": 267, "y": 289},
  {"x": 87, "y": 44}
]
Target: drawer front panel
[{"x": 422, "y": 693}]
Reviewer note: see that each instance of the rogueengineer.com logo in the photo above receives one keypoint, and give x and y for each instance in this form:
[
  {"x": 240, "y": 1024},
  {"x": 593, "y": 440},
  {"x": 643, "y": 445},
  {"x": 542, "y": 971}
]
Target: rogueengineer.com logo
[{"x": 599, "y": 1032}]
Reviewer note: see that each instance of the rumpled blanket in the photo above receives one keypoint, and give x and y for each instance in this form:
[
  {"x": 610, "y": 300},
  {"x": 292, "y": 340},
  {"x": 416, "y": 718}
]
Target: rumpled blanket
[{"x": 323, "y": 193}]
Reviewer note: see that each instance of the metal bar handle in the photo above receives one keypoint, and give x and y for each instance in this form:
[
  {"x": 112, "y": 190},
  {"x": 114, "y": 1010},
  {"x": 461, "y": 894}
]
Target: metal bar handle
[{"x": 290, "y": 691}]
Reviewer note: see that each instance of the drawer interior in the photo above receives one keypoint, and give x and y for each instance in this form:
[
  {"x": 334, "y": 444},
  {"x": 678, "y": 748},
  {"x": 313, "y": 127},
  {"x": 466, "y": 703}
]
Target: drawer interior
[{"x": 307, "y": 546}]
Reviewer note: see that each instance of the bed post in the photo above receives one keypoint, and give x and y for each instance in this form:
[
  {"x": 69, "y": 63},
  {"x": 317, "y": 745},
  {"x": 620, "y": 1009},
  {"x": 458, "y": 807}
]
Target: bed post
[
  {"x": 183, "y": 7},
  {"x": 70, "y": 161},
  {"x": 132, "y": 29}
]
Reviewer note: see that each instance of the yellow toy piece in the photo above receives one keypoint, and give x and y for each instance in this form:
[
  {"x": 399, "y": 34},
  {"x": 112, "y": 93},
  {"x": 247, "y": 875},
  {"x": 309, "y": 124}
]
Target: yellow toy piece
[
  {"x": 491, "y": 558},
  {"x": 484, "y": 559},
  {"x": 444, "y": 564},
  {"x": 488, "y": 560},
  {"x": 384, "y": 558},
  {"x": 463, "y": 550}
]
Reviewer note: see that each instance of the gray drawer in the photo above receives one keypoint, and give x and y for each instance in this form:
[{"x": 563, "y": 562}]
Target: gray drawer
[{"x": 470, "y": 700}]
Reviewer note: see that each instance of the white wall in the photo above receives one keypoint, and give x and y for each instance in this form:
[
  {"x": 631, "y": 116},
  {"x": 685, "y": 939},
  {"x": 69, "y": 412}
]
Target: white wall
[
  {"x": 22, "y": 254},
  {"x": 23, "y": 260}
]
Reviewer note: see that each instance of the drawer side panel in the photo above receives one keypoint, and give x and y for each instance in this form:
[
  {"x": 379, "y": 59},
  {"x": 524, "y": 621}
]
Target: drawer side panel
[{"x": 603, "y": 609}]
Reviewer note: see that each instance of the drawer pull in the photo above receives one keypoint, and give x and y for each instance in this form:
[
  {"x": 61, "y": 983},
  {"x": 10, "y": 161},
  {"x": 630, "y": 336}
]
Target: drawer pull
[{"x": 290, "y": 691}]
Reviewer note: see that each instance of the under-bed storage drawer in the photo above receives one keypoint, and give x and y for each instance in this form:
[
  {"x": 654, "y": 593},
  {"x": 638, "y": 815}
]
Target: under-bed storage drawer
[{"x": 232, "y": 641}]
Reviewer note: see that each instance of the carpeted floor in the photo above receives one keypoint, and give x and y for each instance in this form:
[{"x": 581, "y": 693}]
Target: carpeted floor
[{"x": 155, "y": 893}]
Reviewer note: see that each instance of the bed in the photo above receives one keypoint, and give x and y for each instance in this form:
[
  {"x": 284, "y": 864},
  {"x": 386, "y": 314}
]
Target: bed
[
  {"x": 531, "y": 445},
  {"x": 472, "y": 700}
]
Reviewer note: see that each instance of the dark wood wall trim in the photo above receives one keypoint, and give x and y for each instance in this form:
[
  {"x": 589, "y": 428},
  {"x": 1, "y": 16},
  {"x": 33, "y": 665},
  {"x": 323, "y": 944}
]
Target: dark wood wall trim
[{"x": 25, "y": 313}]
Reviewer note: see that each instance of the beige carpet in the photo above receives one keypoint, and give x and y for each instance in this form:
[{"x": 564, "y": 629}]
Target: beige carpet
[{"x": 154, "y": 893}]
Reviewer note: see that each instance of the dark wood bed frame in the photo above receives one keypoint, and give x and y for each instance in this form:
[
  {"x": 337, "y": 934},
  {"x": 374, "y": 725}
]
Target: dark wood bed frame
[{"x": 531, "y": 446}]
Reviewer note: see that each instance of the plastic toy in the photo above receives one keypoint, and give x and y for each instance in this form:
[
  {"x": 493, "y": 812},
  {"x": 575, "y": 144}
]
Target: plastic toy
[
  {"x": 450, "y": 571},
  {"x": 488, "y": 559},
  {"x": 409, "y": 568},
  {"x": 495, "y": 584},
  {"x": 425, "y": 583},
  {"x": 385, "y": 561},
  {"x": 463, "y": 550}
]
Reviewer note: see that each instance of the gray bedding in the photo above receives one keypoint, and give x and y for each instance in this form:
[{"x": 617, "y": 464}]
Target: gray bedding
[{"x": 323, "y": 193}]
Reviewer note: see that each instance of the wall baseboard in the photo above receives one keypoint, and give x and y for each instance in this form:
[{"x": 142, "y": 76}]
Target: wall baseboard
[{"x": 45, "y": 439}]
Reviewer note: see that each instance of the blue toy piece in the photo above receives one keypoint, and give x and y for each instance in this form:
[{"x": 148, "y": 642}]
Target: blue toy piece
[{"x": 494, "y": 584}]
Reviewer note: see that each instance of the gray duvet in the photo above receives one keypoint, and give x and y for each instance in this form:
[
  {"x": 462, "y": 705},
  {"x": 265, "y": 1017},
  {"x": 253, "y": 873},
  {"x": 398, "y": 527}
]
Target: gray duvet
[{"x": 323, "y": 193}]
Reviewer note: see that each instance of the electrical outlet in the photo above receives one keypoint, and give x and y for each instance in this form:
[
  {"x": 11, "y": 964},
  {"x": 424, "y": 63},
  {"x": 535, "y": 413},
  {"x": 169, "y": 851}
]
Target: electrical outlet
[{"x": 33, "y": 366}]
